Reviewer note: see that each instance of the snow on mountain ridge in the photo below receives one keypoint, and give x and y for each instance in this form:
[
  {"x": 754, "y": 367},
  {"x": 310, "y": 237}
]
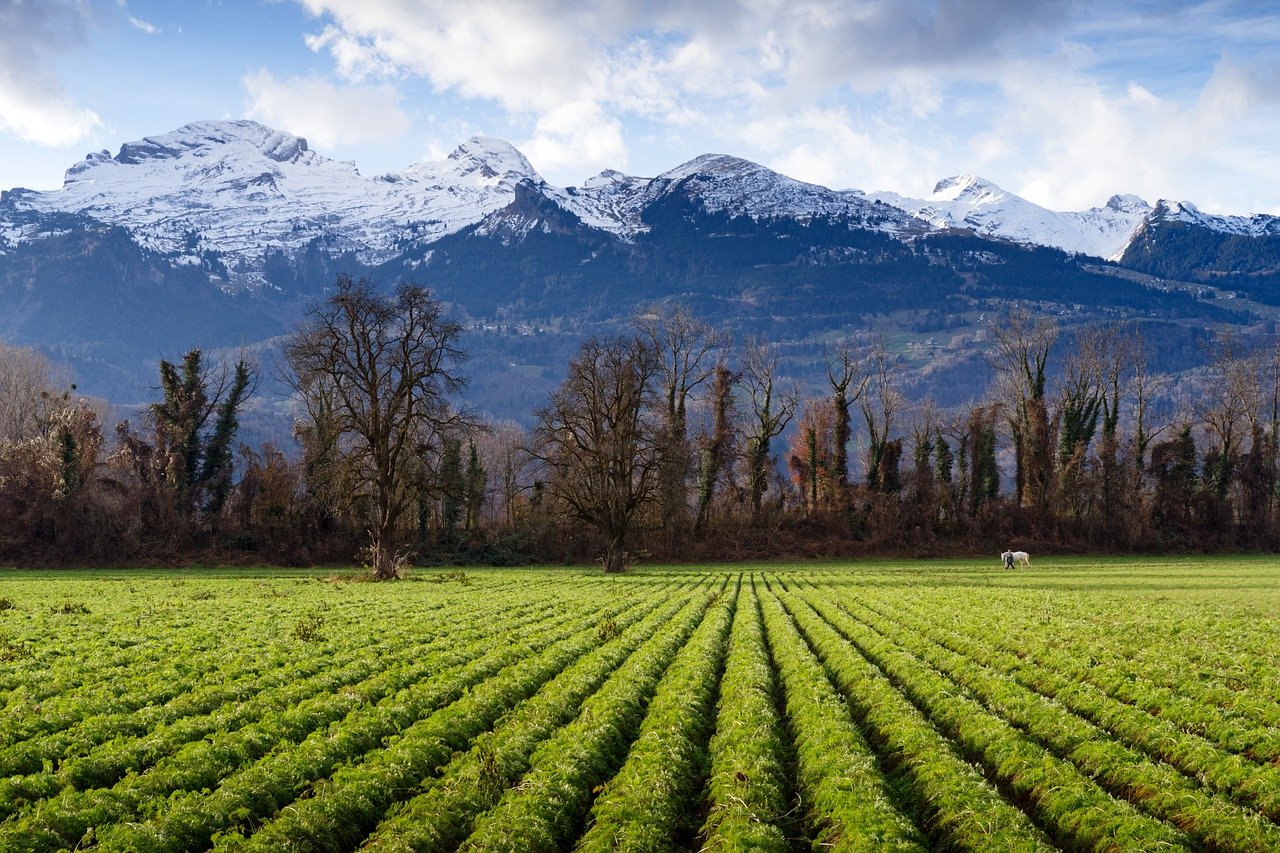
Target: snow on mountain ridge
[
  {"x": 1257, "y": 225},
  {"x": 241, "y": 190},
  {"x": 969, "y": 201},
  {"x": 967, "y": 186},
  {"x": 482, "y": 160},
  {"x": 247, "y": 190},
  {"x": 724, "y": 183}
]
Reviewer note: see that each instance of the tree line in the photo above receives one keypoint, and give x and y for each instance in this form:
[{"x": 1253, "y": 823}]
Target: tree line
[{"x": 666, "y": 439}]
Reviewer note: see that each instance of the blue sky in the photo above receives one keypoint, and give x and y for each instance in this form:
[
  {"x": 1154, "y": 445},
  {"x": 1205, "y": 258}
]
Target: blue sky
[{"x": 1063, "y": 102}]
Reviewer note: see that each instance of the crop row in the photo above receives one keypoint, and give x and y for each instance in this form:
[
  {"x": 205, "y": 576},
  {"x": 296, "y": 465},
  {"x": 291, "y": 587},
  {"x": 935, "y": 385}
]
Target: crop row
[
  {"x": 88, "y": 725},
  {"x": 747, "y": 790},
  {"x": 157, "y": 673},
  {"x": 838, "y": 776},
  {"x": 352, "y": 802},
  {"x": 974, "y": 704},
  {"x": 108, "y": 655},
  {"x": 1064, "y": 725},
  {"x": 1240, "y": 723},
  {"x": 391, "y": 699},
  {"x": 441, "y": 817},
  {"x": 651, "y": 801},
  {"x": 110, "y": 759},
  {"x": 955, "y": 803},
  {"x": 1201, "y": 743},
  {"x": 545, "y": 810},
  {"x": 1232, "y": 669}
]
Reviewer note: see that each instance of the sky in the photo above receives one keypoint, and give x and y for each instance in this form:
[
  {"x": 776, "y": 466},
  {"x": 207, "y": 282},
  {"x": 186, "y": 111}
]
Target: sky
[{"x": 1065, "y": 102}]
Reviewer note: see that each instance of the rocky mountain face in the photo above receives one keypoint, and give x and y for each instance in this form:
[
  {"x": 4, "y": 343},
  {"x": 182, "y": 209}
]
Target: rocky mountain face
[{"x": 218, "y": 234}]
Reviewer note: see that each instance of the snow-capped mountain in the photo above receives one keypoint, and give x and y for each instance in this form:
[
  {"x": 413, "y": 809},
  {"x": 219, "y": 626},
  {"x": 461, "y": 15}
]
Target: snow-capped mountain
[
  {"x": 1257, "y": 225},
  {"x": 719, "y": 183},
  {"x": 227, "y": 194},
  {"x": 220, "y": 233},
  {"x": 242, "y": 190},
  {"x": 968, "y": 201}
]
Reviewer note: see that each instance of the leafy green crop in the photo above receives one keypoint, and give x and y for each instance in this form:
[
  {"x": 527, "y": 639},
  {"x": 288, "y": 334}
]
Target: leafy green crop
[{"x": 1131, "y": 704}]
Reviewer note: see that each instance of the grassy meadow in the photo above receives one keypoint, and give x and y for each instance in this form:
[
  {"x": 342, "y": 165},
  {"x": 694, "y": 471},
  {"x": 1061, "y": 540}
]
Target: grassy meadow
[{"x": 1084, "y": 704}]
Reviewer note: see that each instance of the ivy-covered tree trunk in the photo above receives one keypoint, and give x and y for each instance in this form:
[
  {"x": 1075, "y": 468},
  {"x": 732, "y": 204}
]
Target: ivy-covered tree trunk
[{"x": 715, "y": 451}]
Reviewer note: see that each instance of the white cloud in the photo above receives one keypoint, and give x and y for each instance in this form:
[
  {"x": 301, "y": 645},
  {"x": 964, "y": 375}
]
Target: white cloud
[
  {"x": 522, "y": 55},
  {"x": 326, "y": 114},
  {"x": 1070, "y": 143},
  {"x": 1047, "y": 98},
  {"x": 34, "y": 105},
  {"x": 146, "y": 26},
  {"x": 1238, "y": 88},
  {"x": 827, "y": 147},
  {"x": 576, "y": 138}
]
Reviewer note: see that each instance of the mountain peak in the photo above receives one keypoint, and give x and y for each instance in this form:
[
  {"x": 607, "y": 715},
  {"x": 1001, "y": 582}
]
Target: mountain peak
[
  {"x": 718, "y": 165},
  {"x": 492, "y": 157},
  {"x": 967, "y": 187},
  {"x": 208, "y": 135},
  {"x": 1128, "y": 203}
]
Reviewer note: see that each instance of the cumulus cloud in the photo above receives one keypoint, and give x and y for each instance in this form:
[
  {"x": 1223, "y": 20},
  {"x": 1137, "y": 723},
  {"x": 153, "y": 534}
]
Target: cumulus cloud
[
  {"x": 1071, "y": 142},
  {"x": 34, "y": 105},
  {"x": 1237, "y": 88},
  {"x": 326, "y": 114},
  {"x": 1043, "y": 96},
  {"x": 664, "y": 61},
  {"x": 832, "y": 148},
  {"x": 576, "y": 137}
]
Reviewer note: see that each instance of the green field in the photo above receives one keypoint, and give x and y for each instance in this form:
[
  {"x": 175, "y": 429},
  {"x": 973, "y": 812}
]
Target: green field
[{"x": 1084, "y": 704}]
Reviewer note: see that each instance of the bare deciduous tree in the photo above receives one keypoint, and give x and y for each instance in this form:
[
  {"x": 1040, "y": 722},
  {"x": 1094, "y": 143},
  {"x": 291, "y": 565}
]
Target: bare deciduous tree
[
  {"x": 31, "y": 389},
  {"x": 1022, "y": 345},
  {"x": 1229, "y": 406},
  {"x": 599, "y": 441},
  {"x": 717, "y": 446},
  {"x": 848, "y": 381},
  {"x": 684, "y": 347},
  {"x": 388, "y": 365},
  {"x": 880, "y": 402},
  {"x": 771, "y": 410}
]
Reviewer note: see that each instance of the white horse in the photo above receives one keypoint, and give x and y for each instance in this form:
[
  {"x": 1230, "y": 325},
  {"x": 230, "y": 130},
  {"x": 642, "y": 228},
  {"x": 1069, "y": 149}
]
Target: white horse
[{"x": 1022, "y": 558}]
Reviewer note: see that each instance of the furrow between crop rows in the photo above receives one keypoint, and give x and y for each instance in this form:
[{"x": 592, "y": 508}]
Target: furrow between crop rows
[
  {"x": 64, "y": 820},
  {"x": 1250, "y": 784},
  {"x": 351, "y": 803},
  {"x": 544, "y": 812},
  {"x": 956, "y": 804}
]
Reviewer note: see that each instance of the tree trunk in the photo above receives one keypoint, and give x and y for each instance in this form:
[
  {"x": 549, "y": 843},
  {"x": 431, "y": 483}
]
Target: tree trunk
[
  {"x": 383, "y": 549},
  {"x": 615, "y": 553}
]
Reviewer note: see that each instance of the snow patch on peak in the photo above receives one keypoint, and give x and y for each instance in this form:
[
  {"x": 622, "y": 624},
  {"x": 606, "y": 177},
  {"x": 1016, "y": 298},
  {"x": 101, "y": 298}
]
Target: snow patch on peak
[
  {"x": 1257, "y": 225},
  {"x": 970, "y": 201},
  {"x": 722, "y": 183},
  {"x": 206, "y": 136},
  {"x": 1128, "y": 203},
  {"x": 969, "y": 187},
  {"x": 715, "y": 165},
  {"x": 611, "y": 178},
  {"x": 247, "y": 190},
  {"x": 492, "y": 158}
]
